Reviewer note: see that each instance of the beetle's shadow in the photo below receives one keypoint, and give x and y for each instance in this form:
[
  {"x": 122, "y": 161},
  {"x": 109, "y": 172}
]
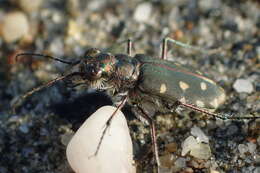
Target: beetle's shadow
[{"x": 78, "y": 109}]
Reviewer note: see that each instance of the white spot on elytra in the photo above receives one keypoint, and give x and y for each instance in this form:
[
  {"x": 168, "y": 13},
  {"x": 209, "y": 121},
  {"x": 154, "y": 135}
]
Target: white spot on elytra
[
  {"x": 163, "y": 88},
  {"x": 214, "y": 103},
  {"x": 203, "y": 86},
  {"x": 200, "y": 103},
  {"x": 222, "y": 98},
  {"x": 183, "y": 85}
]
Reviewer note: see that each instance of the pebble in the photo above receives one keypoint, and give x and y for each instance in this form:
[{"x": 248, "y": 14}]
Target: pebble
[
  {"x": 258, "y": 140},
  {"x": 180, "y": 163},
  {"x": 243, "y": 85},
  {"x": 115, "y": 152},
  {"x": 257, "y": 170},
  {"x": 197, "y": 132},
  {"x": 201, "y": 151},
  {"x": 30, "y": 6},
  {"x": 143, "y": 12},
  {"x": 196, "y": 149},
  {"x": 206, "y": 5},
  {"x": 24, "y": 128},
  {"x": 251, "y": 147},
  {"x": 187, "y": 145},
  {"x": 15, "y": 26},
  {"x": 242, "y": 148}
]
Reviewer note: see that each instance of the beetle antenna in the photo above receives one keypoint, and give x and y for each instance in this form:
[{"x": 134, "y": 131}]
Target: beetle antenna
[
  {"x": 45, "y": 56},
  {"x": 48, "y": 84}
]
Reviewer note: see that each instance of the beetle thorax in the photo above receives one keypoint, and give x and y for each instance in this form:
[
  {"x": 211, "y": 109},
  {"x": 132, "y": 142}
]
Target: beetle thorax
[{"x": 105, "y": 71}]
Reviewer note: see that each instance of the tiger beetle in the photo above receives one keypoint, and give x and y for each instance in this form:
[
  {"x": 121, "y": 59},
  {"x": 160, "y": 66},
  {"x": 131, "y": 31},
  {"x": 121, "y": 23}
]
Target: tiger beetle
[{"x": 148, "y": 84}]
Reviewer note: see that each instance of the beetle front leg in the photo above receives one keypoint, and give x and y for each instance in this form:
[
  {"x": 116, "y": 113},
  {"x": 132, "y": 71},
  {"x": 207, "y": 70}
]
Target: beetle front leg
[{"x": 109, "y": 122}]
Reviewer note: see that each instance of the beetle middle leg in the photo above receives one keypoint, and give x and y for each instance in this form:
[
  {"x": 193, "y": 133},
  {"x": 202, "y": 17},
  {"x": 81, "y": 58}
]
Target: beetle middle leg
[{"x": 151, "y": 123}]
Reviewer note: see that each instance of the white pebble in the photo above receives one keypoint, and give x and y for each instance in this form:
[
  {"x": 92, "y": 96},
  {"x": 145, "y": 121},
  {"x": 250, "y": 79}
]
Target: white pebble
[
  {"x": 143, "y": 12},
  {"x": 115, "y": 153},
  {"x": 201, "y": 151},
  {"x": 196, "y": 149},
  {"x": 242, "y": 148},
  {"x": 187, "y": 145},
  {"x": 29, "y": 5},
  {"x": 243, "y": 85},
  {"x": 15, "y": 26},
  {"x": 197, "y": 132}
]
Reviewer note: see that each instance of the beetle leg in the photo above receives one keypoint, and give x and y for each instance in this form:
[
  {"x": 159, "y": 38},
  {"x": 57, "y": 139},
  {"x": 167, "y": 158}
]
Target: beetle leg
[
  {"x": 185, "y": 45},
  {"x": 164, "y": 49},
  {"x": 108, "y": 124},
  {"x": 197, "y": 109},
  {"x": 129, "y": 47},
  {"x": 50, "y": 83},
  {"x": 153, "y": 135}
]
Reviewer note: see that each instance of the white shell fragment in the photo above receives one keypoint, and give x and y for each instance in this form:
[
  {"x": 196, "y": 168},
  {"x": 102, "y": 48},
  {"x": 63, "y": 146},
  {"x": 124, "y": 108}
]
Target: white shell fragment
[{"x": 115, "y": 153}]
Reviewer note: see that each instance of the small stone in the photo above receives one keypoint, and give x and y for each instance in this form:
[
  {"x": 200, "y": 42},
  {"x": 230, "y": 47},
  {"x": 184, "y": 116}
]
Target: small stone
[
  {"x": 15, "y": 26},
  {"x": 187, "y": 145},
  {"x": 171, "y": 147},
  {"x": 24, "y": 128},
  {"x": 243, "y": 85},
  {"x": 180, "y": 163},
  {"x": 196, "y": 149},
  {"x": 30, "y": 6},
  {"x": 167, "y": 160},
  {"x": 242, "y": 148},
  {"x": 206, "y": 5},
  {"x": 201, "y": 151},
  {"x": 213, "y": 171},
  {"x": 257, "y": 170},
  {"x": 251, "y": 147},
  {"x": 258, "y": 140},
  {"x": 197, "y": 132},
  {"x": 143, "y": 12}
]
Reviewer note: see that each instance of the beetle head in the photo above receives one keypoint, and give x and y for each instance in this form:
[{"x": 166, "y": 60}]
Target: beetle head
[{"x": 97, "y": 66}]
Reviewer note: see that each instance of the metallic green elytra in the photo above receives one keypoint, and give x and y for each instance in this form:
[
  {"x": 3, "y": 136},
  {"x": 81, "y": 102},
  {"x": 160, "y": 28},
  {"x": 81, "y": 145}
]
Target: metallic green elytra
[{"x": 174, "y": 82}]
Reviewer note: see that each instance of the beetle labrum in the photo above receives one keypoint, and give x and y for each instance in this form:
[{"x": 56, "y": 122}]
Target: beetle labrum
[{"x": 146, "y": 83}]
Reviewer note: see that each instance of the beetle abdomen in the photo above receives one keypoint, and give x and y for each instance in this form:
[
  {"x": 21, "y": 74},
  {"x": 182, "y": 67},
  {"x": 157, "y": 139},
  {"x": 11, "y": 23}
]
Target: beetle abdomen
[{"x": 173, "y": 82}]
